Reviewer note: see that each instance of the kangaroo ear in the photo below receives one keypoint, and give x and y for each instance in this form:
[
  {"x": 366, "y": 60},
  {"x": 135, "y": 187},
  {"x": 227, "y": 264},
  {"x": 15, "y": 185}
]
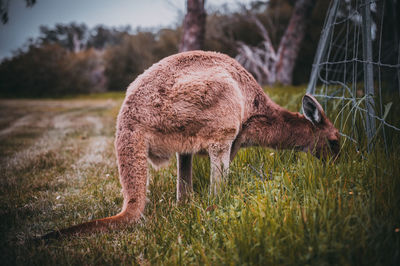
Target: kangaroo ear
[{"x": 312, "y": 109}]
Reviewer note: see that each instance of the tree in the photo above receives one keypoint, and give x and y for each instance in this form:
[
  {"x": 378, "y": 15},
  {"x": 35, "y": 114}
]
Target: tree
[
  {"x": 71, "y": 36},
  {"x": 102, "y": 37},
  {"x": 194, "y": 26},
  {"x": 270, "y": 64},
  {"x": 167, "y": 43}
]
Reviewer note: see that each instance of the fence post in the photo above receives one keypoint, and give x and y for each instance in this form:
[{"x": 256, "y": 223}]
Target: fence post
[
  {"x": 368, "y": 71},
  {"x": 322, "y": 45}
]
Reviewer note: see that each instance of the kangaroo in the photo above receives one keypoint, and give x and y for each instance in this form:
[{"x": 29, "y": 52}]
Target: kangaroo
[{"x": 201, "y": 102}]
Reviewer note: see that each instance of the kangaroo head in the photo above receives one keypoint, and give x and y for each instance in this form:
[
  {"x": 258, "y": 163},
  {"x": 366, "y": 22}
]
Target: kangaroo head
[{"x": 326, "y": 139}]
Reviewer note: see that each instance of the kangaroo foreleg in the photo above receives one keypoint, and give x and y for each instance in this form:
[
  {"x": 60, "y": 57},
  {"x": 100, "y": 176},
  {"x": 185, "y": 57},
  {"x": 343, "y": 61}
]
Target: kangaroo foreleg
[
  {"x": 184, "y": 185},
  {"x": 219, "y": 160}
]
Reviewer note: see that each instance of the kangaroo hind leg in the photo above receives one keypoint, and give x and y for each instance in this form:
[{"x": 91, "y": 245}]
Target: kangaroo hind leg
[
  {"x": 219, "y": 160},
  {"x": 184, "y": 185},
  {"x": 132, "y": 165},
  {"x": 132, "y": 152}
]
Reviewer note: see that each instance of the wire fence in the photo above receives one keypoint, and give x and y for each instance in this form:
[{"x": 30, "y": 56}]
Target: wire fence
[{"x": 356, "y": 70}]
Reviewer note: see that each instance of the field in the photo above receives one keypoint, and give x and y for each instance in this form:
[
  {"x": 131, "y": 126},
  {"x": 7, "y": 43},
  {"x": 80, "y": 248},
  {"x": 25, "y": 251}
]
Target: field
[{"x": 58, "y": 168}]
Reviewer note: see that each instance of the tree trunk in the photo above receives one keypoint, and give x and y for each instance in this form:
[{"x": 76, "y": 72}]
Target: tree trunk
[
  {"x": 270, "y": 66},
  {"x": 291, "y": 41},
  {"x": 194, "y": 26}
]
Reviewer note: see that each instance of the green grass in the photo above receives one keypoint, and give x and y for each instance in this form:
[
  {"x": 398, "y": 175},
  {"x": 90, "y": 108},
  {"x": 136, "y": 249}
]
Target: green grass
[{"x": 277, "y": 207}]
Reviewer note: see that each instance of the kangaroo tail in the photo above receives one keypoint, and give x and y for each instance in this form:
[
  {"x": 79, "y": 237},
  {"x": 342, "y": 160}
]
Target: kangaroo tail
[
  {"x": 132, "y": 166},
  {"x": 99, "y": 225}
]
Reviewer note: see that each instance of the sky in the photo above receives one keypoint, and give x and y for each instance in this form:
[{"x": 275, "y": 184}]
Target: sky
[{"x": 24, "y": 22}]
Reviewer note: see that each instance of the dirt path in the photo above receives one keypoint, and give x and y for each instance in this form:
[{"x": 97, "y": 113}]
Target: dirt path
[
  {"x": 51, "y": 154},
  {"x": 51, "y": 124}
]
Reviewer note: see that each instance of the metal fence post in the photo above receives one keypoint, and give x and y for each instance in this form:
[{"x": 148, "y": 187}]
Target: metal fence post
[
  {"x": 322, "y": 45},
  {"x": 368, "y": 71}
]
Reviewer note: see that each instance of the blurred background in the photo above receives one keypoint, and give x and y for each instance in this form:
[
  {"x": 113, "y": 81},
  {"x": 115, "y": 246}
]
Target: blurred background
[{"x": 56, "y": 48}]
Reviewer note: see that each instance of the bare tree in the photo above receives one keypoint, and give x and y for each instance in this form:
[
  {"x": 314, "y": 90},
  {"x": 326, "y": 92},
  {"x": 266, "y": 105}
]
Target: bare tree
[
  {"x": 265, "y": 62},
  {"x": 194, "y": 26}
]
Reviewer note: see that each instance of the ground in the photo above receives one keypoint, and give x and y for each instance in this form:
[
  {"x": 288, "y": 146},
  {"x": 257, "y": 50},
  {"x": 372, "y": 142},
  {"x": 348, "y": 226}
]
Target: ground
[{"x": 58, "y": 168}]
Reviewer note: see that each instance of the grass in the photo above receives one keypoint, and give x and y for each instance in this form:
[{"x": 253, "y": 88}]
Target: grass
[{"x": 277, "y": 207}]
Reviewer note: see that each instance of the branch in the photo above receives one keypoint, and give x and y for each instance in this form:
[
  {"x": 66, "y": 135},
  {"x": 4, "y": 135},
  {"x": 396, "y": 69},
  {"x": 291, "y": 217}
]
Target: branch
[
  {"x": 255, "y": 63},
  {"x": 264, "y": 32}
]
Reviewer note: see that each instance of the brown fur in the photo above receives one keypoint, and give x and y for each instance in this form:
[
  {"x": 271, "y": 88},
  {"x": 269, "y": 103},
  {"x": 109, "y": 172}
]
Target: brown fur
[{"x": 201, "y": 102}]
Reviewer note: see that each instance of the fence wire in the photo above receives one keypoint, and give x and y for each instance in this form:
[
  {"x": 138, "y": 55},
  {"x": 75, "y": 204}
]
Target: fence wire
[{"x": 356, "y": 70}]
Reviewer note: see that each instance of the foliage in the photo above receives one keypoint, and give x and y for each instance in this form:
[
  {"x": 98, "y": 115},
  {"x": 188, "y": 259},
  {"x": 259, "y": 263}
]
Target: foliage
[
  {"x": 70, "y": 36},
  {"x": 277, "y": 207},
  {"x": 50, "y": 70},
  {"x": 44, "y": 65},
  {"x": 70, "y": 59},
  {"x": 102, "y": 37},
  {"x": 135, "y": 54},
  {"x": 167, "y": 41}
]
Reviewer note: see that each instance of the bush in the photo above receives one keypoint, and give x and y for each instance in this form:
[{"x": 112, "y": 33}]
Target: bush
[
  {"x": 136, "y": 53},
  {"x": 50, "y": 71}
]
